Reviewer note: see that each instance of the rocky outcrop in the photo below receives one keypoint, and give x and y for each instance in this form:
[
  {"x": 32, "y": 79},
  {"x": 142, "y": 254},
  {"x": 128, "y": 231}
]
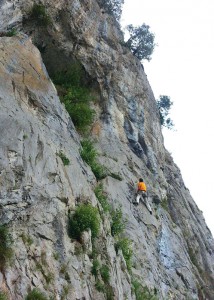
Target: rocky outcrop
[{"x": 173, "y": 250}]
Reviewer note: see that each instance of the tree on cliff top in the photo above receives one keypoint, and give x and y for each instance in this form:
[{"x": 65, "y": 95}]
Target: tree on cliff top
[
  {"x": 141, "y": 41},
  {"x": 112, "y": 7}
]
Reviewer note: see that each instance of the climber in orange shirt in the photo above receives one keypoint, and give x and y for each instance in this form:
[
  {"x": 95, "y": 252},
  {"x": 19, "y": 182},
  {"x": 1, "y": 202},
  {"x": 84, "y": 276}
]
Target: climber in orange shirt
[{"x": 141, "y": 194}]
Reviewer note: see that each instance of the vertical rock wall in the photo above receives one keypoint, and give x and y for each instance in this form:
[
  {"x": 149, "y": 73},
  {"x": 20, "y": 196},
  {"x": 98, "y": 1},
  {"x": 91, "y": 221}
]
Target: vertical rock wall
[{"x": 173, "y": 248}]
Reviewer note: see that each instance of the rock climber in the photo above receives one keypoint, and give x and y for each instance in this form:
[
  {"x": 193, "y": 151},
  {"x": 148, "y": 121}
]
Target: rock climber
[{"x": 141, "y": 194}]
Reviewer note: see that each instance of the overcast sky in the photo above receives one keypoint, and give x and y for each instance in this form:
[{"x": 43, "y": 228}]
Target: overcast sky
[{"x": 182, "y": 67}]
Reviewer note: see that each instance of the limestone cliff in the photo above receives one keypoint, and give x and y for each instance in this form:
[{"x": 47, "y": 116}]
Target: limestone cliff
[{"x": 173, "y": 250}]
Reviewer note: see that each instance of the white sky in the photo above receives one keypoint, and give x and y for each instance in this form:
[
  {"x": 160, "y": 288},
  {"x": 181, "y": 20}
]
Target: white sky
[{"x": 182, "y": 68}]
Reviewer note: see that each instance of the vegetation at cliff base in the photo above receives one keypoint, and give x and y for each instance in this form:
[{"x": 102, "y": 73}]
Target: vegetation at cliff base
[
  {"x": 141, "y": 41},
  {"x": 6, "y": 251},
  {"x": 164, "y": 105},
  {"x": 85, "y": 217}
]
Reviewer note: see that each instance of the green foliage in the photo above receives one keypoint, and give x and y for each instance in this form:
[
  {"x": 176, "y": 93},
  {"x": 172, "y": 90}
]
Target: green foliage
[
  {"x": 64, "y": 159},
  {"x": 192, "y": 255},
  {"x": 164, "y": 204},
  {"x": 77, "y": 105},
  {"x": 73, "y": 77},
  {"x": 164, "y": 105},
  {"x": 3, "y": 296},
  {"x": 116, "y": 176},
  {"x": 65, "y": 291},
  {"x": 89, "y": 155},
  {"x": 141, "y": 41},
  {"x": 12, "y": 32},
  {"x": 125, "y": 245},
  {"x": 104, "y": 272},
  {"x": 6, "y": 252},
  {"x": 112, "y": 7},
  {"x": 75, "y": 96},
  {"x": 39, "y": 15},
  {"x": 118, "y": 224},
  {"x": 95, "y": 268},
  {"x": 85, "y": 217},
  {"x": 100, "y": 286},
  {"x": 36, "y": 294},
  {"x": 27, "y": 240},
  {"x": 142, "y": 293},
  {"x": 102, "y": 198}
]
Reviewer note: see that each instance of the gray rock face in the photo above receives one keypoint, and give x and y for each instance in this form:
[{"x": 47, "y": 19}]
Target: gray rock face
[{"x": 173, "y": 250}]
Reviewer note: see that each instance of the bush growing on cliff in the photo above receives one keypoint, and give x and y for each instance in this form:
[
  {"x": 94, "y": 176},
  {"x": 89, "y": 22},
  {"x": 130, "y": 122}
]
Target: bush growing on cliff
[
  {"x": 64, "y": 159},
  {"x": 6, "y": 252},
  {"x": 89, "y": 155},
  {"x": 102, "y": 198},
  {"x": 77, "y": 105},
  {"x": 125, "y": 245},
  {"x": 3, "y": 296},
  {"x": 85, "y": 217},
  {"x": 112, "y": 7},
  {"x": 118, "y": 224},
  {"x": 39, "y": 15},
  {"x": 36, "y": 294},
  {"x": 164, "y": 105},
  {"x": 75, "y": 95},
  {"x": 141, "y": 41},
  {"x": 142, "y": 292}
]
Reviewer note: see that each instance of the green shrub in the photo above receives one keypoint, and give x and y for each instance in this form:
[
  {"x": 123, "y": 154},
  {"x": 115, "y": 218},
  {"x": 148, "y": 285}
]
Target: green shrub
[
  {"x": 102, "y": 197},
  {"x": 6, "y": 252},
  {"x": 77, "y": 103},
  {"x": 165, "y": 204},
  {"x": 12, "y": 32},
  {"x": 27, "y": 240},
  {"x": 81, "y": 114},
  {"x": 64, "y": 159},
  {"x": 100, "y": 286},
  {"x": 164, "y": 105},
  {"x": 142, "y": 293},
  {"x": 3, "y": 296},
  {"x": 95, "y": 268},
  {"x": 38, "y": 14},
  {"x": 118, "y": 224},
  {"x": 116, "y": 176},
  {"x": 112, "y": 7},
  {"x": 100, "y": 171},
  {"x": 36, "y": 294},
  {"x": 72, "y": 77},
  {"x": 85, "y": 217},
  {"x": 88, "y": 152},
  {"x": 104, "y": 272},
  {"x": 126, "y": 246},
  {"x": 75, "y": 96},
  {"x": 89, "y": 155}
]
